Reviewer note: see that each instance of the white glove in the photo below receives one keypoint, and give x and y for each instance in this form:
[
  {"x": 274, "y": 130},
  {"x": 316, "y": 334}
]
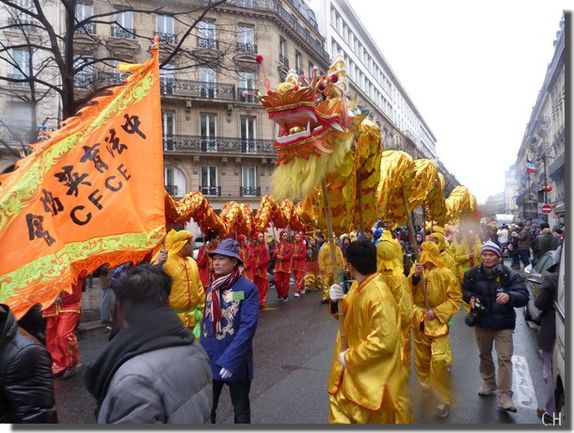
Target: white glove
[
  {"x": 336, "y": 292},
  {"x": 225, "y": 373},
  {"x": 342, "y": 359}
]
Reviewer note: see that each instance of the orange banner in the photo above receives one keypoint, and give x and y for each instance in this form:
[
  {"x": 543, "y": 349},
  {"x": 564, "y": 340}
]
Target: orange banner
[{"x": 92, "y": 194}]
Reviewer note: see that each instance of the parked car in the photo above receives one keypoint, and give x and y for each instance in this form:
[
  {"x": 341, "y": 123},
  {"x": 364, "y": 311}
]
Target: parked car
[
  {"x": 533, "y": 276},
  {"x": 558, "y": 367}
]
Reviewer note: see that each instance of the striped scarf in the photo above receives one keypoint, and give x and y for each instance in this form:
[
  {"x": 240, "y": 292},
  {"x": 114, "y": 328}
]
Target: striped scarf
[{"x": 217, "y": 286}]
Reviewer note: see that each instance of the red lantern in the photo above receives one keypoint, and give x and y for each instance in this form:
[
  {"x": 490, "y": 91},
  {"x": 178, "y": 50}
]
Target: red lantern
[{"x": 547, "y": 187}]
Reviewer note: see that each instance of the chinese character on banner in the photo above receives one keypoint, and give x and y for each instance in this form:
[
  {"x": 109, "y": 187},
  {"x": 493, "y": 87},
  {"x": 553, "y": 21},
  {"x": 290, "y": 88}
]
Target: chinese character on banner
[{"x": 82, "y": 198}]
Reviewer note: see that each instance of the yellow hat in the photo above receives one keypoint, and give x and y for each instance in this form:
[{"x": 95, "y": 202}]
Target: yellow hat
[
  {"x": 176, "y": 240},
  {"x": 430, "y": 254},
  {"x": 441, "y": 240}
]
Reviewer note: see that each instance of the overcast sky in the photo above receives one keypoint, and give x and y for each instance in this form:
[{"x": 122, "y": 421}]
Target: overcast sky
[{"x": 473, "y": 69}]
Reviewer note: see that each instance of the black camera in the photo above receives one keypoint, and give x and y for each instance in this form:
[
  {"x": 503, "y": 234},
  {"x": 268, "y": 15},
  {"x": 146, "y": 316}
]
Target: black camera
[{"x": 476, "y": 313}]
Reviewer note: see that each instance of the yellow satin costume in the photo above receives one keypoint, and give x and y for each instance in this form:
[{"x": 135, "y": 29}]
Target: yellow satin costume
[
  {"x": 187, "y": 295},
  {"x": 367, "y": 391},
  {"x": 446, "y": 255},
  {"x": 431, "y": 342},
  {"x": 326, "y": 267},
  {"x": 398, "y": 284}
]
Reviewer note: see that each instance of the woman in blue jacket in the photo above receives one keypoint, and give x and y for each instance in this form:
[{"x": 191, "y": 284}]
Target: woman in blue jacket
[{"x": 229, "y": 324}]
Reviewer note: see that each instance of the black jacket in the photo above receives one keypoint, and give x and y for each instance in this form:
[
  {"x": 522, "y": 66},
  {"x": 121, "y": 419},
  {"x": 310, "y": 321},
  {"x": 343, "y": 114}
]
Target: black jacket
[
  {"x": 485, "y": 286},
  {"x": 545, "y": 303},
  {"x": 544, "y": 242},
  {"x": 26, "y": 390}
]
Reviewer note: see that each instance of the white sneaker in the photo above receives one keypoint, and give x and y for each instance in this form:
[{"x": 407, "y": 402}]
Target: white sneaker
[
  {"x": 296, "y": 294},
  {"x": 303, "y": 291}
]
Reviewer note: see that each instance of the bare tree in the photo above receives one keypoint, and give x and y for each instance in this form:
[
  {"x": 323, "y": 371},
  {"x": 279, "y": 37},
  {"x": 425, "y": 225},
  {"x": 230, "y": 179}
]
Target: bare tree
[{"x": 63, "y": 59}]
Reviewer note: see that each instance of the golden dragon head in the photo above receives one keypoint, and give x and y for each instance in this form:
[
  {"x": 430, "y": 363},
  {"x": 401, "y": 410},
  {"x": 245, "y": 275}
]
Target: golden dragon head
[{"x": 316, "y": 128}]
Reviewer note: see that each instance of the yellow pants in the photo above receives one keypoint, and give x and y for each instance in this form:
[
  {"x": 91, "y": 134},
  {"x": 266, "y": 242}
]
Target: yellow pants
[
  {"x": 343, "y": 411},
  {"x": 404, "y": 413},
  {"x": 431, "y": 364},
  {"x": 327, "y": 283}
]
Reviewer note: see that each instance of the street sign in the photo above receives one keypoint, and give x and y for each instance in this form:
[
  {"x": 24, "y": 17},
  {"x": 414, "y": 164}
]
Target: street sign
[{"x": 546, "y": 209}]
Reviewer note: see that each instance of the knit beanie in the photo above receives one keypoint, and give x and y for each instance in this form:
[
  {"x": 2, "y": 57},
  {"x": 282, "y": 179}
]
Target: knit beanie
[{"x": 491, "y": 246}]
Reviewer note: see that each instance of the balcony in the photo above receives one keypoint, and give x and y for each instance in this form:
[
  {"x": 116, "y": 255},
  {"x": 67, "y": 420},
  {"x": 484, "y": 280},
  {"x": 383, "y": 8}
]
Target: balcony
[
  {"x": 121, "y": 32},
  {"x": 172, "y": 190},
  {"x": 197, "y": 89},
  {"x": 247, "y": 95},
  {"x": 219, "y": 145},
  {"x": 283, "y": 61},
  {"x": 208, "y": 43},
  {"x": 213, "y": 191},
  {"x": 89, "y": 28},
  {"x": 246, "y": 48},
  {"x": 274, "y": 7},
  {"x": 250, "y": 191},
  {"x": 84, "y": 80},
  {"x": 166, "y": 38}
]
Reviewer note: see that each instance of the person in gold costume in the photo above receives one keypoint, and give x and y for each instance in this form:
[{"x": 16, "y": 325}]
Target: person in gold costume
[
  {"x": 187, "y": 293},
  {"x": 446, "y": 256},
  {"x": 326, "y": 267},
  {"x": 389, "y": 266},
  {"x": 437, "y": 297},
  {"x": 365, "y": 380}
]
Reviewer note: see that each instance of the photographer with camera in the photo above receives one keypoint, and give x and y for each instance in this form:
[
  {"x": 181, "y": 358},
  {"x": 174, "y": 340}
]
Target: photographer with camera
[{"x": 494, "y": 291}]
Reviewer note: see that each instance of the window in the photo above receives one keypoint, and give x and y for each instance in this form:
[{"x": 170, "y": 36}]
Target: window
[
  {"x": 167, "y": 79},
  {"x": 248, "y": 144},
  {"x": 174, "y": 181},
  {"x": 206, "y": 34},
  {"x": 168, "y": 125},
  {"x": 124, "y": 25},
  {"x": 310, "y": 66},
  {"x": 249, "y": 181},
  {"x": 246, "y": 39},
  {"x": 283, "y": 53},
  {"x": 19, "y": 17},
  {"x": 207, "y": 129},
  {"x": 165, "y": 28},
  {"x": 247, "y": 87},
  {"x": 209, "y": 181},
  {"x": 21, "y": 67},
  {"x": 83, "y": 12},
  {"x": 84, "y": 74},
  {"x": 298, "y": 63},
  {"x": 207, "y": 82}
]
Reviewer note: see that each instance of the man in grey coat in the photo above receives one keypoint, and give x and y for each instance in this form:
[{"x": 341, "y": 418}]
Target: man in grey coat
[{"x": 153, "y": 370}]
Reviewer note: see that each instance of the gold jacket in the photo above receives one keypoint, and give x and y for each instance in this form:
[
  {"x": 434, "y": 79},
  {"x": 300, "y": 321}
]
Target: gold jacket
[
  {"x": 325, "y": 260},
  {"x": 444, "y": 297},
  {"x": 187, "y": 292},
  {"x": 373, "y": 358}
]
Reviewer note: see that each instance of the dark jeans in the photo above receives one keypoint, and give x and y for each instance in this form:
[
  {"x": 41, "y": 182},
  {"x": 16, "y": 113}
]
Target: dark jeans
[
  {"x": 239, "y": 391},
  {"x": 524, "y": 257}
]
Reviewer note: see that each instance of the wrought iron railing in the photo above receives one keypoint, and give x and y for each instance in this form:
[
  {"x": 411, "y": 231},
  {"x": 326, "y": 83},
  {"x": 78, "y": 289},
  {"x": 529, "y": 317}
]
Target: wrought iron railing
[
  {"x": 89, "y": 28},
  {"x": 275, "y": 7},
  {"x": 210, "y": 190},
  {"x": 250, "y": 191},
  {"x": 225, "y": 145},
  {"x": 166, "y": 37},
  {"x": 246, "y": 48},
  {"x": 247, "y": 95},
  {"x": 198, "y": 89},
  {"x": 84, "y": 80},
  {"x": 208, "y": 43},
  {"x": 284, "y": 61},
  {"x": 121, "y": 32}
]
